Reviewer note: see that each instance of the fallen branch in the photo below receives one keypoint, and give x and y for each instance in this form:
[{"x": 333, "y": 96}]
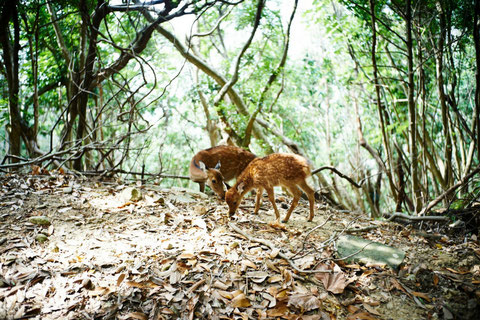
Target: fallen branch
[
  {"x": 158, "y": 175},
  {"x": 354, "y": 230},
  {"x": 417, "y": 218},
  {"x": 450, "y": 190},
  {"x": 273, "y": 248}
]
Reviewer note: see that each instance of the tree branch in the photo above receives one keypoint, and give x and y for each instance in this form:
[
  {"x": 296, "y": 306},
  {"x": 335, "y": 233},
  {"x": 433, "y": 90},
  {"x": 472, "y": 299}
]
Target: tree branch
[
  {"x": 340, "y": 174},
  {"x": 271, "y": 80},
  {"x": 462, "y": 182},
  {"x": 234, "y": 78}
]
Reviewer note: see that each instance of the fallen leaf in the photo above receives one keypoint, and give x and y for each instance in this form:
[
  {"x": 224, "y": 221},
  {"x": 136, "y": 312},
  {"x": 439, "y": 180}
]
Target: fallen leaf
[
  {"x": 225, "y": 294},
  {"x": 99, "y": 291},
  {"x": 304, "y": 302},
  {"x": 248, "y": 264},
  {"x": 279, "y": 311},
  {"x": 120, "y": 279},
  {"x": 257, "y": 276},
  {"x": 422, "y": 295},
  {"x": 275, "y": 278},
  {"x": 142, "y": 285},
  {"x": 306, "y": 262},
  {"x": 457, "y": 272},
  {"x": 274, "y": 253},
  {"x": 240, "y": 301},
  {"x": 334, "y": 282},
  {"x": 137, "y": 315},
  {"x": 352, "y": 309},
  {"x": 398, "y": 286},
  {"x": 186, "y": 256},
  {"x": 371, "y": 309},
  {"x": 277, "y": 225}
]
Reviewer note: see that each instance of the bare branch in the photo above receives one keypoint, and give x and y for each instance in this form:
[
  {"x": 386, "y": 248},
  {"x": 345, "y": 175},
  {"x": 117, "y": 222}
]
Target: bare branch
[
  {"x": 234, "y": 79},
  {"x": 340, "y": 174},
  {"x": 271, "y": 80},
  {"x": 462, "y": 182}
]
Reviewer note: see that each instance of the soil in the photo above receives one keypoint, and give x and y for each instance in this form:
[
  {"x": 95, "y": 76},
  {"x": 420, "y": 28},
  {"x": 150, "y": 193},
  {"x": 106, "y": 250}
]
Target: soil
[{"x": 107, "y": 250}]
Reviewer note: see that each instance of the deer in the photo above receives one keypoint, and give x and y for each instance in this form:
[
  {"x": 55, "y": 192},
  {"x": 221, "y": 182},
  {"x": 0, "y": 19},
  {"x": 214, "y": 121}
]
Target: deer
[
  {"x": 278, "y": 169},
  {"x": 217, "y": 165}
]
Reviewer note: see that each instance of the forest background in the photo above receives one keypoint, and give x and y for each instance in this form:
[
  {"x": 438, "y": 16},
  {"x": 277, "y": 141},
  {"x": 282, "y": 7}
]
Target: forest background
[{"x": 387, "y": 92}]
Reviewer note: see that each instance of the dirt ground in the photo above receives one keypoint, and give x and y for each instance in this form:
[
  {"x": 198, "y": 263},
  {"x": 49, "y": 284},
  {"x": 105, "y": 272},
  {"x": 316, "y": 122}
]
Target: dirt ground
[{"x": 85, "y": 249}]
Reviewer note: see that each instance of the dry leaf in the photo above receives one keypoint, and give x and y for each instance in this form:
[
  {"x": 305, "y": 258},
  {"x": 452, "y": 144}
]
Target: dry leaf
[
  {"x": 275, "y": 278},
  {"x": 398, "y": 286},
  {"x": 422, "y": 295},
  {"x": 137, "y": 315},
  {"x": 225, "y": 294},
  {"x": 142, "y": 285},
  {"x": 371, "y": 309},
  {"x": 352, "y": 309},
  {"x": 120, "y": 279},
  {"x": 248, "y": 264},
  {"x": 274, "y": 253},
  {"x": 220, "y": 285},
  {"x": 279, "y": 311},
  {"x": 457, "y": 272},
  {"x": 99, "y": 291},
  {"x": 287, "y": 277},
  {"x": 306, "y": 262},
  {"x": 334, "y": 282},
  {"x": 186, "y": 256},
  {"x": 270, "y": 265},
  {"x": 304, "y": 302},
  {"x": 240, "y": 301},
  {"x": 278, "y": 225}
]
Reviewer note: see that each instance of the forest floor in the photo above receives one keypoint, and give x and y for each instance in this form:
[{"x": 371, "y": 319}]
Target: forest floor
[{"x": 85, "y": 249}]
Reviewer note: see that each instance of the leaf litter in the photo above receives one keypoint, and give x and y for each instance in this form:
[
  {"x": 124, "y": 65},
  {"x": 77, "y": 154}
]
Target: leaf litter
[{"x": 112, "y": 251}]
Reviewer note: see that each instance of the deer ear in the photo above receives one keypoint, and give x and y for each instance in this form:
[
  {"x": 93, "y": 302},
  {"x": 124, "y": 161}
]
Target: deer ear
[
  {"x": 202, "y": 166},
  {"x": 240, "y": 187},
  {"x": 218, "y": 165}
]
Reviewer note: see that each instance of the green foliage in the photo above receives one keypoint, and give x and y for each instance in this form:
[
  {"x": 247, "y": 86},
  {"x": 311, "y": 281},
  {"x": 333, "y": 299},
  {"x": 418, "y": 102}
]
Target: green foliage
[{"x": 328, "y": 72}]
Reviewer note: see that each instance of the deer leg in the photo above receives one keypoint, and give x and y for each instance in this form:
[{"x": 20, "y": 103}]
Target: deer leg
[
  {"x": 271, "y": 197},
  {"x": 202, "y": 186},
  {"x": 311, "y": 197},
  {"x": 258, "y": 200},
  {"x": 296, "y": 196}
]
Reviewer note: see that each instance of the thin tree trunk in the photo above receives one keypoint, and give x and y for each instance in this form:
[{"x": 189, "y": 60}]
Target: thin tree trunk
[
  {"x": 211, "y": 125},
  {"x": 441, "y": 93},
  {"x": 387, "y": 168},
  {"x": 10, "y": 57},
  {"x": 412, "y": 114},
  {"x": 476, "y": 37}
]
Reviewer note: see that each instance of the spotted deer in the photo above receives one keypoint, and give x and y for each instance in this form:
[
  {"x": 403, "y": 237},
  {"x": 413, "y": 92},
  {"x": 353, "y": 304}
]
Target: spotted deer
[
  {"x": 215, "y": 166},
  {"x": 278, "y": 169}
]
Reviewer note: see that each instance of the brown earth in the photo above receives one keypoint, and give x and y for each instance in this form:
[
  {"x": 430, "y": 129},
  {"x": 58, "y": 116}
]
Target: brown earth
[{"x": 112, "y": 251}]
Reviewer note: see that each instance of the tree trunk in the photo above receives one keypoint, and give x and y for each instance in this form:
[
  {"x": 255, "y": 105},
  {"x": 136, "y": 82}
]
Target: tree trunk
[
  {"x": 476, "y": 37},
  {"x": 442, "y": 97},
  {"x": 387, "y": 168},
  {"x": 88, "y": 78},
  {"x": 412, "y": 114},
  {"x": 211, "y": 125},
  {"x": 10, "y": 57}
]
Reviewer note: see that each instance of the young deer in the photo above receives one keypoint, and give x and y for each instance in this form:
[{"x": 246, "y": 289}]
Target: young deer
[
  {"x": 215, "y": 166},
  {"x": 278, "y": 169}
]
